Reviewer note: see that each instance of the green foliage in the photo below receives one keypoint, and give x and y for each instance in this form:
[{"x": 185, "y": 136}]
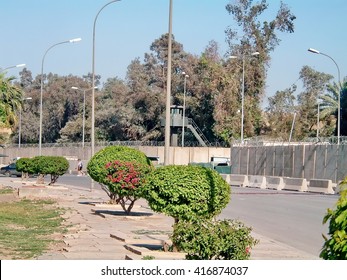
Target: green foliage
[
  {"x": 96, "y": 166},
  {"x": 103, "y": 169},
  {"x": 53, "y": 165},
  {"x": 10, "y": 101},
  {"x": 25, "y": 165},
  {"x": 125, "y": 180},
  {"x": 186, "y": 192},
  {"x": 335, "y": 247},
  {"x": 148, "y": 258},
  {"x": 219, "y": 240}
]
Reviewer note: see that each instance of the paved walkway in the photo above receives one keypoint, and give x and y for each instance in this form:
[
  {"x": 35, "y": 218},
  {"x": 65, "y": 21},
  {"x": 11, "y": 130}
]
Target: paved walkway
[{"x": 93, "y": 225}]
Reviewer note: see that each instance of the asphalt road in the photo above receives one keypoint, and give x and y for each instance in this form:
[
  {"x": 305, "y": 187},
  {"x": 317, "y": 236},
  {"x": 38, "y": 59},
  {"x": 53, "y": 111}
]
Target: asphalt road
[{"x": 290, "y": 217}]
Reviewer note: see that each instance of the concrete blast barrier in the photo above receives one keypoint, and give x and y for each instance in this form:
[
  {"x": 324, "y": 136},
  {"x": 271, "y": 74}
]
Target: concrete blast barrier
[
  {"x": 255, "y": 181},
  {"x": 321, "y": 186},
  {"x": 273, "y": 182},
  {"x": 295, "y": 184},
  {"x": 238, "y": 180}
]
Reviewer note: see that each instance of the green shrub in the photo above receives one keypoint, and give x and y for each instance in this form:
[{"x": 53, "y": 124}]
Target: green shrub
[
  {"x": 218, "y": 240},
  {"x": 186, "y": 192},
  {"x": 335, "y": 247},
  {"x": 99, "y": 164},
  {"x": 53, "y": 165},
  {"x": 25, "y": 165},
  {"x": 125, "y": 179}
]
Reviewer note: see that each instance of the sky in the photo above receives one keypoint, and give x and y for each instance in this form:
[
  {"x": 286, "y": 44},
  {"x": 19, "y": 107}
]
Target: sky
[{"x": 126, "y": 29}]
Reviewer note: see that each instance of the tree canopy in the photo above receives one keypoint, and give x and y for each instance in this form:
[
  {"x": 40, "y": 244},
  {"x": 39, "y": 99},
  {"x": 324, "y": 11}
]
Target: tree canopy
[{"x": 131, "y": 108}]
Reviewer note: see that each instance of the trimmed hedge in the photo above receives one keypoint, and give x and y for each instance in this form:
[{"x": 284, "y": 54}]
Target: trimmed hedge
[
  {"x": 25, "y": 165},
  {"x": 43, "y": 165},
  {"x": 121, "y": 172},
  {"x": 96, "y": 166},
  {"x": 186, "y": 192},
  {"x": 213, "y": 240}
]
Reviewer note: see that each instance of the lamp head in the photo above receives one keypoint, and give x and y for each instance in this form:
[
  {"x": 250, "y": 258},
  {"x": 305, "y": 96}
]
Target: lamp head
[
  {"x": 75, "y": 40},
  {"x": 313, "y": 51}
]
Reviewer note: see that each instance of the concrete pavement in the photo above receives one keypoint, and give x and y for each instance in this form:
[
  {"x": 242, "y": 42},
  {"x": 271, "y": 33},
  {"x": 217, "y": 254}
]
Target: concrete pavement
[{"x": 98, "y": 231}]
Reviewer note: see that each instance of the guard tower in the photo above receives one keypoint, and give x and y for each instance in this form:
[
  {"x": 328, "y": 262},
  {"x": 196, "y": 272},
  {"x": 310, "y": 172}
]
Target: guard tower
[{"x": 176, "y": 124}]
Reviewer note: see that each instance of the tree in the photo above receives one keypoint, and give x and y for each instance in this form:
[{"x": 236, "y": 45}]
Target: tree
[
  {"x": 314, "y": 83},
  {"x": 279, "y": 113},
  {"x": 11, "y": 98},
  {"x": 146, "y": 99},
  {"x": 208, "y": 93},
  {"x": 329, "y": 107},
  {"x": 113, "y": 112},
  {"x": 256, "y": 36},
  {"x": 43, "y": 165},
  {"x": 61, "y": 106},
  {"x": 120, "y": 172},
  {"x": 125, "y": 179}
]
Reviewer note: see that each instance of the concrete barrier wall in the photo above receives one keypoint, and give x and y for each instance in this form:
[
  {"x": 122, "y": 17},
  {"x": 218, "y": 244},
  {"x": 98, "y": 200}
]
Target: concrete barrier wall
[
  {"x": 319, "y": 161},
  {"x": 321, "y": 186},
  {"x": 273, "y": 182},
  {"x": 295, "y": 184},
  {"x": 255, "y": 181},
  {"x": 239, "y": 180}
]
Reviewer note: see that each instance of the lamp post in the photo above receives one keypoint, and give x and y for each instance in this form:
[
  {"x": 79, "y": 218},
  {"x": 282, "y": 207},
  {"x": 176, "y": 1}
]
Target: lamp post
[
  {"x": 184, "y": 105},
  {"x": 92, "y": 136},
  {"x": 168, "y": 91},
  {"x": 243, "y": 90},
  {"x": 339, "y": 95},
  {"x": 20, "y": 122},
  {"x": 318, "y": 109},
  {"x": 41, "y": 91},
  {"x": 14, "y": 66},
  {"x": 84, "y": 110}
]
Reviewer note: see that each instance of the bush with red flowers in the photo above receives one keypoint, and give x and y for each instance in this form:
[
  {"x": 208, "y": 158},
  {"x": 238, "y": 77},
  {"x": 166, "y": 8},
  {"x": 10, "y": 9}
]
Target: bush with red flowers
[{"x": 125, "y": 179}]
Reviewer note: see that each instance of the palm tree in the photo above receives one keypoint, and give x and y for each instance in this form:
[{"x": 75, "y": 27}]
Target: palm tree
[
  {"x": 329, "y": 104},
  {"x": 11, "y": 98}
]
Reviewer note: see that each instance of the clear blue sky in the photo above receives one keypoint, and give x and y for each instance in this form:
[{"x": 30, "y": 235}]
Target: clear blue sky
[{"x": 126, "y": 29}]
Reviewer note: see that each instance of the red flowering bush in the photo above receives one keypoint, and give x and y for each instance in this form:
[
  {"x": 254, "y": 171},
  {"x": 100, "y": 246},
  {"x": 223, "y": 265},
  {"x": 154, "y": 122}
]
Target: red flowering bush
[
  {"x": 120, "y": 172},
  {"x": 125, "y": 179}
]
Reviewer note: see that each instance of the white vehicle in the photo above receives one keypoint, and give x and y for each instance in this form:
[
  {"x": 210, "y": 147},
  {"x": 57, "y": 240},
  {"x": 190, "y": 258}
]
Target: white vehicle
[{"x": 220, "y": 161}]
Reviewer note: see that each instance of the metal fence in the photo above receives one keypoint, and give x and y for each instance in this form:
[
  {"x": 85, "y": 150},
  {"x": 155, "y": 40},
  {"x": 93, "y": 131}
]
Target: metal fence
[{"x": 298, "y": 160}]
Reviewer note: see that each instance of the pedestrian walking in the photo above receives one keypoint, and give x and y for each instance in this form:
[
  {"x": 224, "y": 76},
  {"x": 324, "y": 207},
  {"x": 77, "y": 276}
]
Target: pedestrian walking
[{"x": 80, "y": 168}]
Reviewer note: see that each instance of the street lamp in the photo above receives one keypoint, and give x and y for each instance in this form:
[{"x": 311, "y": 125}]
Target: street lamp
[
  {"x": 92, "y": 137},
  {"x": 339, "y": 95},
  {"x": 20, "y": 121},
  {"x": 84, "y": 110},
  {"x": 14, "y": 66},
  {"x": 41, "y": 92},
  {"x": 318, "y": 109},
  {"x": 243, "y": 89},
  {"x": 184, "y": 105},
  {"x": 168, "y": 91}
]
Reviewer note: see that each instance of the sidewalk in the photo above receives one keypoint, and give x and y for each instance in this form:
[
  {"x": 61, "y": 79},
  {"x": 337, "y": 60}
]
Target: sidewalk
[{"x": 97, "y": 231}]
